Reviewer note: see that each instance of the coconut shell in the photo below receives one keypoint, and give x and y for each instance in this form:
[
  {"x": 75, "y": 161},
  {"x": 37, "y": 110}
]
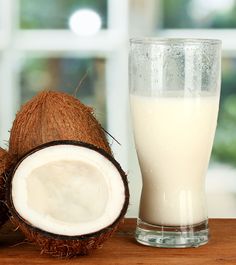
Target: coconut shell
[
  {"x": 51, "y": 116},
  {"x": 60, "y": 245},
  {"x": 5, "y": 163}
]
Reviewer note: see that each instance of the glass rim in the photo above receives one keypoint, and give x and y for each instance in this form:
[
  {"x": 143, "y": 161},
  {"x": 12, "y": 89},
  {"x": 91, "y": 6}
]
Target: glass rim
[{"x": 177, "y": 41}]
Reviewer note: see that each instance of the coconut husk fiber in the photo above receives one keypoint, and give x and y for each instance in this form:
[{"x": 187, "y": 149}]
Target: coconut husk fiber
[
  {"x": 5, "y": 163},
  {"x": 51, "y": 116}
]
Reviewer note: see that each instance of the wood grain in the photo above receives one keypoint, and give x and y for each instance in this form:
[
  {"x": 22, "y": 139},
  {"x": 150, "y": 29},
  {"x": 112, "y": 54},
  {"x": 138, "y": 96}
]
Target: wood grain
[{"x": 123, "y": 249}]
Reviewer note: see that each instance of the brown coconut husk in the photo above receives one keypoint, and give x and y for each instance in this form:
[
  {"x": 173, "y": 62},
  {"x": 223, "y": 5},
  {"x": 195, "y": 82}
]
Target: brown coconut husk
[
  {"x": 60, "y": 245},
  {"x": 52, "y": 116},
  {"x": 57, "y": 246},
  {"x": 5, "y": 163}
]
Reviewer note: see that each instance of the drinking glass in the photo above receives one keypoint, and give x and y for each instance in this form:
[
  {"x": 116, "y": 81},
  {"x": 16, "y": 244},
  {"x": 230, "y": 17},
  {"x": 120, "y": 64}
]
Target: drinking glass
[{"x": 174, "y": 98}]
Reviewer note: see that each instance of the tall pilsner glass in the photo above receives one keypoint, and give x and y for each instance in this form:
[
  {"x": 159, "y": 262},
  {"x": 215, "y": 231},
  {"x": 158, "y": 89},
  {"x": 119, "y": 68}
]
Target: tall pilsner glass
[{"x": 174, "y": 97}]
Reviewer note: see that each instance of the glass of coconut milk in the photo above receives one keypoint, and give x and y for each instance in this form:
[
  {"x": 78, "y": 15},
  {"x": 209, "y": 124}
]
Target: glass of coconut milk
[{"x": 174, "y": 98}]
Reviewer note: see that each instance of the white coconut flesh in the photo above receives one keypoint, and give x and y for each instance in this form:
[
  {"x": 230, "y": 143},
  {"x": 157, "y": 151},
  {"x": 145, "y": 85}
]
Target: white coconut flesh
[{"x": 68, "y": 190}]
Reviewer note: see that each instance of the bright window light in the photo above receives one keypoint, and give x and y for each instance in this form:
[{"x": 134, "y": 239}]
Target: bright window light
[{"x": 85, "y": 22}]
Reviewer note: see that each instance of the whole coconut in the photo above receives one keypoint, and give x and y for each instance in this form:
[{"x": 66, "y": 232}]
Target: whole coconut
[{"x": 51, "y": 116}]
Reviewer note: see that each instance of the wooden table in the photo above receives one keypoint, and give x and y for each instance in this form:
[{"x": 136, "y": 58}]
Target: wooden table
[{"x": 122, "y": 249}]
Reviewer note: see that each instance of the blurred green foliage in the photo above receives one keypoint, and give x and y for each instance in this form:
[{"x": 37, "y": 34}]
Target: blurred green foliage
[
  {"x": 54, "y": 14},
  {"x": 224, "y": 148},
  {"x": 65, "y": 74},
  {"x": 183, "y": 14},
  {"x": 175, "y": 14}
]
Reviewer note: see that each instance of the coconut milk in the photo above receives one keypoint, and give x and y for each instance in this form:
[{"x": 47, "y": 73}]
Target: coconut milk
[{"x": 174, "y": 137}]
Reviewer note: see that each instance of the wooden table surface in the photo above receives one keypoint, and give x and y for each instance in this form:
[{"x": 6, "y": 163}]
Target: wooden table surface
[{"x": 123, "y": 249}]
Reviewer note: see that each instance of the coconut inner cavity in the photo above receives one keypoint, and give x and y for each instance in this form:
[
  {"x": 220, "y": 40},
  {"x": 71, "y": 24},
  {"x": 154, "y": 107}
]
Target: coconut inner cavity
[{"x": 68, "y": 190}]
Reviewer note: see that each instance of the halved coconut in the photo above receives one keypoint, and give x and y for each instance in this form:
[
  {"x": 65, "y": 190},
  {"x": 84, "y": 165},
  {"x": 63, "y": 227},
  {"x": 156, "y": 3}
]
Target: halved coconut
[{"x": 68, "y": 197}]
